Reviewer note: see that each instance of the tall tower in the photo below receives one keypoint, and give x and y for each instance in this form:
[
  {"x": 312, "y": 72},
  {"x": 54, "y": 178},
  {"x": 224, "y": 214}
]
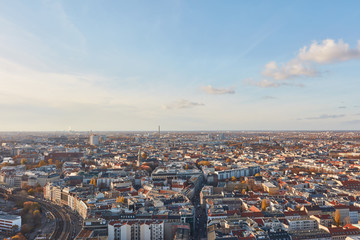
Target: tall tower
[
  {"x": 139, "y": 158},
  {"x": 159, "y": 131}
]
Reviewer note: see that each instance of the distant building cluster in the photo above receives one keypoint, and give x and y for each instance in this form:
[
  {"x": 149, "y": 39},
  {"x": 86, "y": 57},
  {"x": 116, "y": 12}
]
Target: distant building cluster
[{"x": 193, "y": 185}]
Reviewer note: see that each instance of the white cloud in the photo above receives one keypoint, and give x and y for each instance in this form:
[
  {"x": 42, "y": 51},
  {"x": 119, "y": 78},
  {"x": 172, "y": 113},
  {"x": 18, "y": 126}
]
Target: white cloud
[
  {"x": 268, "y": 97},
  {"x": 182, "y": 103},
  {"x": 326, "y": 116},
  {"x": 217, "y": 91},
  {"x": 329, "y": 51},
  {"x": 265, "y": 83},
  {"x": 303, "y": 65},
  {"x": 294, "y": 68}
]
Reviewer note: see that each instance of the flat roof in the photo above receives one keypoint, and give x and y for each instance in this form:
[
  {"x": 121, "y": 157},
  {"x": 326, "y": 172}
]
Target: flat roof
[{"x": 9, "y": 217}]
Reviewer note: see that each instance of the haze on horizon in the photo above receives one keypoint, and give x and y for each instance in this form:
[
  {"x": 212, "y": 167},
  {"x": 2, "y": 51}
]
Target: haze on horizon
[{"x": 184, "y": 65}]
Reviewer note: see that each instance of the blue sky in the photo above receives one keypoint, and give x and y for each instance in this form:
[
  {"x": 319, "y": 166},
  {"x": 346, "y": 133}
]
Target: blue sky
[{"x": 184, "y": 65}]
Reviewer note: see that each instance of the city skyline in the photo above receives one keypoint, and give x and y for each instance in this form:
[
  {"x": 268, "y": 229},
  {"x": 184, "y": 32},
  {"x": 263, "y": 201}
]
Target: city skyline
[{"x": 131, "y": 66}]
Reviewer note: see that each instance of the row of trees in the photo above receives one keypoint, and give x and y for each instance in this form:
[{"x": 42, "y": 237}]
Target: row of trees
[
  {"x": 18, "y": 236},
  {"x": 31, "y": 216},
  {"x": 42, "y": 163},
  {"x": 33, "y": 190}
]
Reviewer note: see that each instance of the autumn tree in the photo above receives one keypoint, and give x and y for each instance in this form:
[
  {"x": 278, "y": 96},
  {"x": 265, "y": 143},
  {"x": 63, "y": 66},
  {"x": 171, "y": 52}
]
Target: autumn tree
[
  {"x": 144, "y": 155},
  {"x": 58, "y": 164},
  {"x": 42, "y": 163},
  {"x": 18, "y": 236},
  {"x": 120, "y": 199},
  {"x": 26, "y": 228},
  {"x": 204, "y": 163},
  {"x": 50, "y": 161},
  {"x": 337, "y": 218},
  {"x": 233, "y": 178},
  {"x": 23, "y": 161},
  {"x": 263, "y": 205},
  {"x": 31, "y": 191}
]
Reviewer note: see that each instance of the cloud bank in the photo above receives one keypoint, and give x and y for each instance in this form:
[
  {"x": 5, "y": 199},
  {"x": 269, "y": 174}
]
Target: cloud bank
[
  {"x": 265, "y": 83},
  {"x": 326, "y": 116},
  {"x": 304, "y": 64},
  {"x": 181, "y": 104},
  {"x": 217, "y": 91}
]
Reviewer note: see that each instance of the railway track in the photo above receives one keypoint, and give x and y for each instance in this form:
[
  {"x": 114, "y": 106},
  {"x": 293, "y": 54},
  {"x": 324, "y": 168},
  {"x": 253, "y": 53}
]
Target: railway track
[
  {"x": 62, "y": 221},
  {"x": 64, "y": 225}
]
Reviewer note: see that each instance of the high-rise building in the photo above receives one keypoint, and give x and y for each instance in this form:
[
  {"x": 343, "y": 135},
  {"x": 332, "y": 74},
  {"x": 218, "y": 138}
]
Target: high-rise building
[{"x": 94, "y": 139}]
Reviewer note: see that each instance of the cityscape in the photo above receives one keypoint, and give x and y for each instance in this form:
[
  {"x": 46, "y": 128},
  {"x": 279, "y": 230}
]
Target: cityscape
[
  {"x": 180, "y": 185},
  {"x": 179, "y": 119}
]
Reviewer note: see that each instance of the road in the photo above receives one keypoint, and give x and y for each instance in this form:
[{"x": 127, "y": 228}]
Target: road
[{"x": 200, "y": 217}]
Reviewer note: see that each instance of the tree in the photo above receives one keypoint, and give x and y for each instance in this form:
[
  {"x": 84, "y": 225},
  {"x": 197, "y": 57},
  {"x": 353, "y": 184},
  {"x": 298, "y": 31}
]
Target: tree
[
  {"x": 233, "y": 178},
  {"x": 144, "y": 155},
  {"x": 42, "y": 163},
  {"x": 204, "y": 163},
  {"x": 15, "y": 228},
  {"x": 93, "y": 181},
  {"x": 50, "y": 161},
  {"x": 58, "y": 164},
  {"x": 228, "y": 160},
  {"x": 25, "y": 228},
  {"x": 263, "y": 205},
  {"x": 120, "y": 199},
  {"x": 23, "y": 161},
  {"x": 18, "y": 236},
  {"x": 31, "y": 191},
  {"x": 36, "y": 212},
  {"x": 337, "y": 218}
]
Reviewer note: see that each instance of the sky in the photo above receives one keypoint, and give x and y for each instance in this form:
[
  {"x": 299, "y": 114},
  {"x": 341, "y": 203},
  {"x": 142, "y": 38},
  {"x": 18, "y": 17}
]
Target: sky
[{"x": 183, "y": 65}]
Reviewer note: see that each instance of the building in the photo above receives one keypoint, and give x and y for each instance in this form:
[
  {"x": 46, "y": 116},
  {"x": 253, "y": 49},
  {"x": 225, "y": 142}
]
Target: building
[
  {"x": 94, "y": 140},
  {"x": 7, "y": 222},
  {"x": 238, "y": 172},
  {"x": 270, "y": 188},
  {"x": 136, "y": 230},
  {"x": 302, "y": 224}
]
